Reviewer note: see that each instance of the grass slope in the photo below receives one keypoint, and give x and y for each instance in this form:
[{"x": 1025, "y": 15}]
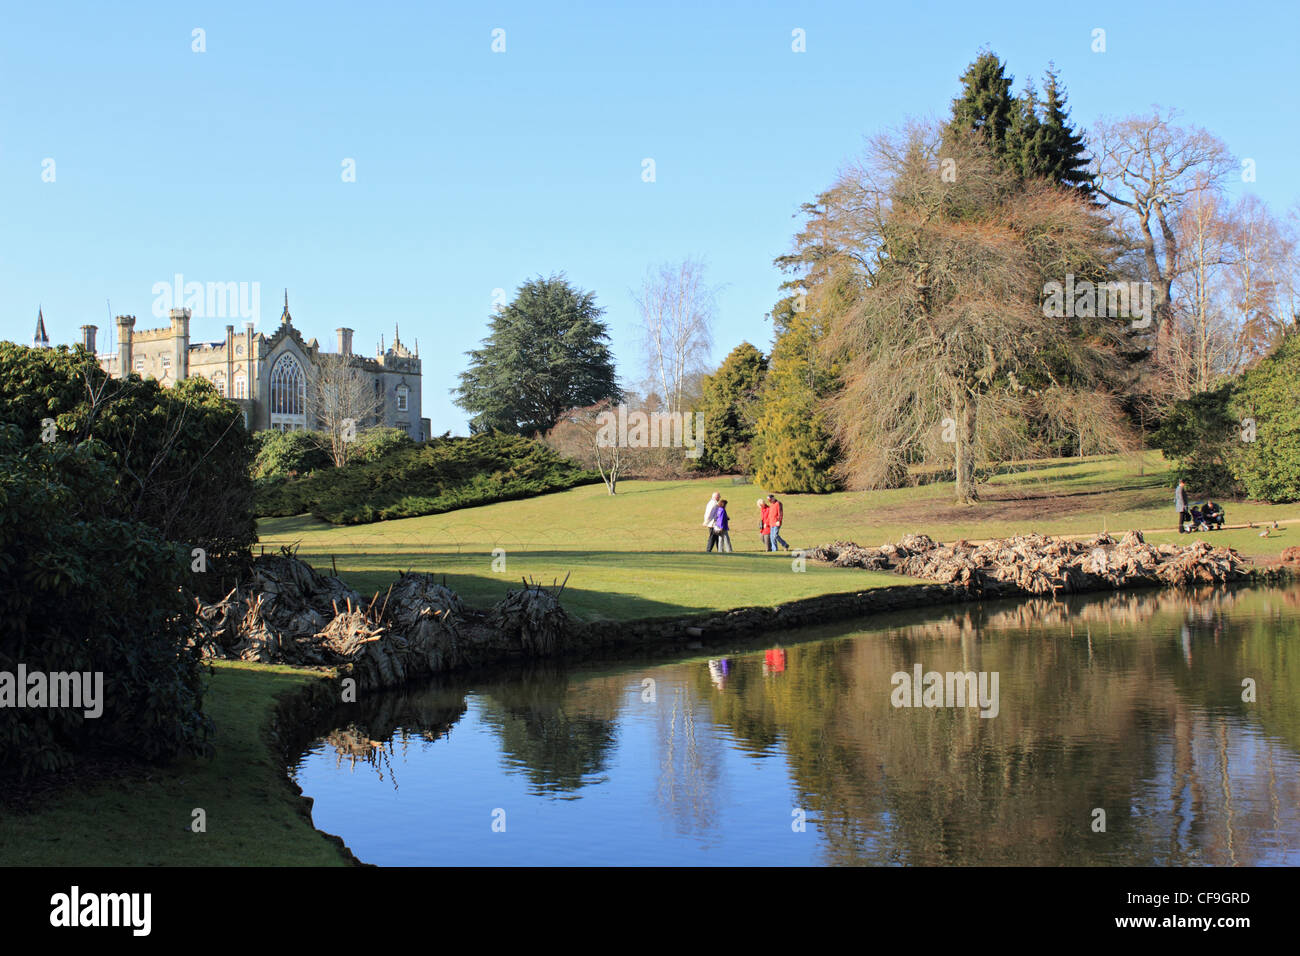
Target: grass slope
[
  {"x": 144, "y": 817},
  {"x": 640, "y": 553}
]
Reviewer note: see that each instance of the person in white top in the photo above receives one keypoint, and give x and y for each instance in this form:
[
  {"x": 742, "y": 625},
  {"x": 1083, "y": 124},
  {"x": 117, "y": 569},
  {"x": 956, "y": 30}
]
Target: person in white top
[{"x": 709, "y": 510}]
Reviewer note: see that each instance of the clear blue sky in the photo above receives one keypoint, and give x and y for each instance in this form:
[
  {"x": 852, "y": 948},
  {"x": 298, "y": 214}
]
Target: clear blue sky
[{"x": 477, "y": 170}]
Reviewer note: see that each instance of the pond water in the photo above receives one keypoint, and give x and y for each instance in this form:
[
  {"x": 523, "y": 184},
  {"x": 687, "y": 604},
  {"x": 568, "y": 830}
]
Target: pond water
[{"x": 1134, "y": 729}]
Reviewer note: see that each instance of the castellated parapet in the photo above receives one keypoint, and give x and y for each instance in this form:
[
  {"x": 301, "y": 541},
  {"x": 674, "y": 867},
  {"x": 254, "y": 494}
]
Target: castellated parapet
[{"x": 268, "y": 376}]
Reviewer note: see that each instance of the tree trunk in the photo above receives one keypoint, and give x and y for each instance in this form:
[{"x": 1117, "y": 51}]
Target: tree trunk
[{"x": 964, "y": 413}]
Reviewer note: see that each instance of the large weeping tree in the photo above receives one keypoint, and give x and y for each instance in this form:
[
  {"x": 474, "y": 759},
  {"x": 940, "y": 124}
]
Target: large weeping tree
[{"x": 945, "y": 347}]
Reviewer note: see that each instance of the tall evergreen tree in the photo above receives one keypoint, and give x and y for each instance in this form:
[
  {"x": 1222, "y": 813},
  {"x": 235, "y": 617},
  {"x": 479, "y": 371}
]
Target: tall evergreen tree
[
  {"x": 793, "y": 448},
  {"x": 1026, "y": 139},
  {"x": 1063, "y": 157},
  {"x": 986, "y": 104},
  {"x": 547, "y": 352},
  {"x": 730, "y": 408},
  {"x": 1028, "y": 136}
]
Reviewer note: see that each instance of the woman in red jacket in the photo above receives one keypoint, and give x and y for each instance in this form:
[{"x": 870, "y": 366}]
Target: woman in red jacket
[
  {"x": 775, "y": 515},
  {"x": 764, "y": 529}
]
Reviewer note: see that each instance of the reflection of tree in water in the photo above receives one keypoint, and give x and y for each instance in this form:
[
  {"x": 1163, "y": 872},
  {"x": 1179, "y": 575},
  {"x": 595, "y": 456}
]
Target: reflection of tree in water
[
  {"x": 690, "y": 761},
  {"x": 561, "y": 737},
  {"x": 384, "y": 724},
  {"x": 1094, "y": 713}
]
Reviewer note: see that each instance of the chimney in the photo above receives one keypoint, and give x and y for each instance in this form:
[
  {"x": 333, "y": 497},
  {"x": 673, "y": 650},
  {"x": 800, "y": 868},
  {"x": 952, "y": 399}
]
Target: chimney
[
  {"x": 345, "y": 341},
  {"x": 88, "y": 337}
]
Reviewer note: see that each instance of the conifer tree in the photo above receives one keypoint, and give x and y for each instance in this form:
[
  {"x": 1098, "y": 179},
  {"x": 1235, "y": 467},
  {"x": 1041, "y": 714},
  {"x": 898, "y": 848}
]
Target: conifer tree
[
  {"x": 1063, "y": 157},
  {"x": 986, "y": 104},
  {"x": 1026, "y": 138},
  {"x": 793, "y": 448},
  {"x": 730, "y": 405}
]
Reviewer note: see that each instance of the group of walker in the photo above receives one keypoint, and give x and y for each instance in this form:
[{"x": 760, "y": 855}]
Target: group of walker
[{"x": 718, "y": 521}]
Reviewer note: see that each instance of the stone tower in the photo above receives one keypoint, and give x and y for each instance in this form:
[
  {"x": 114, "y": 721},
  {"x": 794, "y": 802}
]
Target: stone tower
[{"x": 125, "y": 332}]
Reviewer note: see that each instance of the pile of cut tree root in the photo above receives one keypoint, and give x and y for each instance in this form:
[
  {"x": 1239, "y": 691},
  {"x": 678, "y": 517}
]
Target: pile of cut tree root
[
  {"x": 1038, "y": 564},
  {"x": 289, "y": 613}
]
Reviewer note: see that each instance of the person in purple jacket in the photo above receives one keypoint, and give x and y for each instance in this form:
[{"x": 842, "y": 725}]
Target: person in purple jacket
[{"x": 722, "y": 524}]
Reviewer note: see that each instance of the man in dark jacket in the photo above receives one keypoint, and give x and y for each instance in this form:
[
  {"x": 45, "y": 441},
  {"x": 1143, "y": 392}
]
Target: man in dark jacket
[{"x": 1180, "y": 503}]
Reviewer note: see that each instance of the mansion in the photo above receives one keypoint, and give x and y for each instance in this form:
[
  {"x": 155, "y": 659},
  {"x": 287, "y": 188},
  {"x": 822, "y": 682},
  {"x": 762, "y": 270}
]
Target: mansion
[{"x": 267, "y": 376}]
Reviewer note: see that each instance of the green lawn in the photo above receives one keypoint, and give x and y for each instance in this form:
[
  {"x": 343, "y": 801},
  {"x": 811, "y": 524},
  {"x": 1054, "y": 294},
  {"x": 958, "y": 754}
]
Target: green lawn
[
  {"x": 640, "y": 553},
  {"x": 144, "y": 817}
]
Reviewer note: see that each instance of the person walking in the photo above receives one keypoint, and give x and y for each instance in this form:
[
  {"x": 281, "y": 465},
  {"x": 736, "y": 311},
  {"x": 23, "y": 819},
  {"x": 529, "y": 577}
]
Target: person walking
[
  {"x": 723, "y": 525},
  {"x": 764, "y": 529},
  {"x": 1180, "y": 503},
  {"x": 775, "y": 515},
  {"x": 709, "y": 510}
]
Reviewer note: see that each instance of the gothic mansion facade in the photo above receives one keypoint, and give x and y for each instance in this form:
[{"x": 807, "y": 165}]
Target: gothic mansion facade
[{"x": 267, "y": 376}]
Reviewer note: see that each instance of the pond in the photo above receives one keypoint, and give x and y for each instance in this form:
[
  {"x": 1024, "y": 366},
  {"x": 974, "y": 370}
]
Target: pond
[{"x": 1141, "y": 728}]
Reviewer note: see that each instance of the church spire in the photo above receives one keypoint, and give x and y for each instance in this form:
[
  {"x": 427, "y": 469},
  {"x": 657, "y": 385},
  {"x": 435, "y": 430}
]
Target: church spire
[
  {"x": 285, "y": 317},
  {"x": 40, "y": 340}
]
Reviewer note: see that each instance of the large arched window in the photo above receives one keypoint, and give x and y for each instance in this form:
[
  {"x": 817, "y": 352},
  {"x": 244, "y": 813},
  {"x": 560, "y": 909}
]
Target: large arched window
[{"x": 288, "y": 392}]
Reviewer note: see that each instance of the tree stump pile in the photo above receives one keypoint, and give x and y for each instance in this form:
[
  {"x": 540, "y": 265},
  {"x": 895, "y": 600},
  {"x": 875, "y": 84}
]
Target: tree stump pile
[
  {"x": 288, "y": 613},
  {"x": 1038, "y": 564},
  {"x": 533, "y": 618}
]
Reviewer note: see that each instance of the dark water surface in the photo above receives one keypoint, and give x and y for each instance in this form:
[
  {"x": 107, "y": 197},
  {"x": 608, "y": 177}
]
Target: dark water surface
[{"x": 792, "y": 752}]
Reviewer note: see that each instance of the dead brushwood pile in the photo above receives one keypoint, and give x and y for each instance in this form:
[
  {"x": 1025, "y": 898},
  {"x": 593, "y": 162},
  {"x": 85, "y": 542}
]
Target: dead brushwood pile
[{"x": 1037, "y": 564}]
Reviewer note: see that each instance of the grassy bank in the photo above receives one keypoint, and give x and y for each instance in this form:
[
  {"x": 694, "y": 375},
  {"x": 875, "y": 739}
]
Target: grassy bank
[
  {"x": 143, "y": 818},
  {"x": 639, "y": 553}
]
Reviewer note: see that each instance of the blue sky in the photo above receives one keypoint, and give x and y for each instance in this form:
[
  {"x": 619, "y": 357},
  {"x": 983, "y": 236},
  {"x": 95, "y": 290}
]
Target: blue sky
[{"x": 478, "y": 170}]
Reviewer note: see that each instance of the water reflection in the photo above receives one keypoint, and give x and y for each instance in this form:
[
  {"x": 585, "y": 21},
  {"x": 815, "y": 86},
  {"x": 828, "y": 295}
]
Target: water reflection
[{"x": 1134, "y": 709}]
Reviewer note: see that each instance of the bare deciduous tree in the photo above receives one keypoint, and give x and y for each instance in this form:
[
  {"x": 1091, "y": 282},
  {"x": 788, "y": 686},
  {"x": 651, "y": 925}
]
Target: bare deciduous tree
[
  {"x": 580, "y": 434},
  {"x": 677, "y": 309},
  {"x": 342, "y": 399},
  {"x": 1232, "y": 293},
  {"x": 1147, "y": 166},
  {"x": 1204, "y": 343},
  {"x": 1264, "y": 276}
]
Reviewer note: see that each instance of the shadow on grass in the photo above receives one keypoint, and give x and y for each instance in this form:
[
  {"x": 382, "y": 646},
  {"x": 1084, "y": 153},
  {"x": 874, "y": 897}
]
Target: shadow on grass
[
  {"x": 736, "y": 580},
  {"x": 292, "y": 525}
]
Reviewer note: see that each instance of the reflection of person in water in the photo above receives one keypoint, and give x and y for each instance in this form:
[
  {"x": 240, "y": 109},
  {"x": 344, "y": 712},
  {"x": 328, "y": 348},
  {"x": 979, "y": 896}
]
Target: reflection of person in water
[
  {"x": 1187, "y": 644},
  {"x": 774, "y": 661},
  {"x": 718, "y": 668}
]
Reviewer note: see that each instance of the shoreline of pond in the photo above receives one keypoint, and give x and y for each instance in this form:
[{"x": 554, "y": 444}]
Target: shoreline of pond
[
  {"x": 742, "y": 631},
  {"x": 299, "y": 714}
]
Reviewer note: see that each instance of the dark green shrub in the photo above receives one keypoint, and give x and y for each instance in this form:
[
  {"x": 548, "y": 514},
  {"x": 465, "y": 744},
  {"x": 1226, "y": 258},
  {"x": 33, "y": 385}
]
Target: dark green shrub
[
  {"x": 88, "y": 592},
  {"x": 439, "y": 475},
  {"x": 280, "y": 454},
  {"x": 374, "y": 443},
  {"x": 1197, "y": 435},
  {"x": 179, "y": 456},
  {"x": 1266, "y": 425}
]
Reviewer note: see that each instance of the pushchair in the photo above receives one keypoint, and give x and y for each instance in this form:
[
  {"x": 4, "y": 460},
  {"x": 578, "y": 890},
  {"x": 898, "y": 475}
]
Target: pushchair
[{"x": 1206, "y": 516}]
